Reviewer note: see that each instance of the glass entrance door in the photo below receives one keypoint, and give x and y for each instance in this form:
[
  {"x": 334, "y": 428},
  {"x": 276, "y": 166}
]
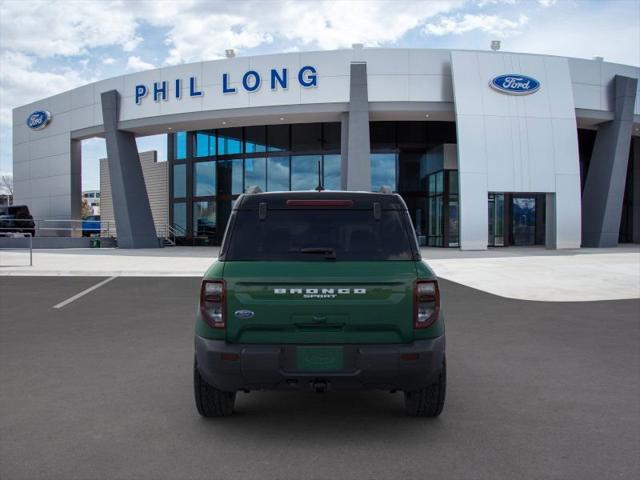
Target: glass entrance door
[
  {"x": 523, "y": 213},
  {"x": 496, "y": 219}
]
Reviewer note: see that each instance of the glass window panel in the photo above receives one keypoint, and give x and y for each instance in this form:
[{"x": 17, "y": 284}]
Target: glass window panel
[
  {"x": 440, "y": 132},
  {"x": 439, "y": 181},
  {"x": 350, "y": 233},
  {"x": 383, "y": 135},
  {"x": 205, "y": 144},
  {"x": 255, "y": 139},
  {"x": 412, "y": 134},
  {"x": 180, "y": 217},
  {"x": 454, "y": 228},
  {"x": 332, "y": 172},
  {"x": 230, "y": 141},
  {"x": 204, "y": 179},
  {"x": 409, "y": 171},
  {"x": 230, "y": 177},
  {"x": 453, "y": 182},
  {"x": 255, "y": 173},
  {"x": 278, "y": 138},
  {"x": 204, "y": 218},
  {"x": 304, "y": 172},
  {"x": 180, "y": 145},
  {"x": 331, "y": 134},
  {"x": 277, "y": 174},
  {"x": 383, "y": 171},
  {"x": 435, "y": 221},
  {"x": 499, "y": 219},
  {"x": 306, "y": 137},
  {"x": 179, "y": 181}
]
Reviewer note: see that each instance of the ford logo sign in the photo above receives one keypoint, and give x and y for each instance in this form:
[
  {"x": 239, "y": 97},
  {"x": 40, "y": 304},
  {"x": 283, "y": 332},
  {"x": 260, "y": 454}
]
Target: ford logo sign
[
  {"x": 515, "y": 84},
  {"x": 38, "y": 120},
  {"x": 244, "y": 314}
]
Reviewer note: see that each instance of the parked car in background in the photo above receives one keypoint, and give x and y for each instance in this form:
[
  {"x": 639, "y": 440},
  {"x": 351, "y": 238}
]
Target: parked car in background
[
  {"x": 91, "y": 225},
  {"x": 17, "y": 219}
]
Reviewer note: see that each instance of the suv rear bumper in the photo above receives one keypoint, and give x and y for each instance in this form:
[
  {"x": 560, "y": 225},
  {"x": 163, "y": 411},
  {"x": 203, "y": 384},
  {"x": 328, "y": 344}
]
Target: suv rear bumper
[{"x": 233, "y": 367}]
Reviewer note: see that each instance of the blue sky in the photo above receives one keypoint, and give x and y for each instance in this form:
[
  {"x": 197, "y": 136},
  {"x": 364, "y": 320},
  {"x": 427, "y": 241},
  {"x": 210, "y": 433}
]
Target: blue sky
[{"x": 47, "y": 47}]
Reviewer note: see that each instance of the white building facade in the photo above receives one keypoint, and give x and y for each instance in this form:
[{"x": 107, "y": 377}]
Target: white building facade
[{"x": 487, "y": 148}]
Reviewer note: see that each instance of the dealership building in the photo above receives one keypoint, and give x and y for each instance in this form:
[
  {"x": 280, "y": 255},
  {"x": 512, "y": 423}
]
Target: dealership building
[{"x": 486, "y": 148}]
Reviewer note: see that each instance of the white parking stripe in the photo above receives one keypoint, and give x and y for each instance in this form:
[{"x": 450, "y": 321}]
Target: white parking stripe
[{"x": 84, "y": 292}]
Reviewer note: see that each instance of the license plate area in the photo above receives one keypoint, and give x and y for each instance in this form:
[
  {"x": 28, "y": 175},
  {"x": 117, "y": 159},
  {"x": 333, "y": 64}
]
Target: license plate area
[{"x": 319, "y": 358}]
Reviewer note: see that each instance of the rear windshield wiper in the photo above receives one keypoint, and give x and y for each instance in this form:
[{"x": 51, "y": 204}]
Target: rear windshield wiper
[{"x": 329, "y": 253}]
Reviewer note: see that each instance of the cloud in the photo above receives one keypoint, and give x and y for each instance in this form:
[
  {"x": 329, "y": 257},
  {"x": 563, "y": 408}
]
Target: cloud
[
  {"x": 491, "y": 24},
  {"x": 21, "y": 83},
  {"x": 585, "y": 34},
  {"x": 45, "y": 29},
  {"x": 135, "y": 64},
  {"x": 203, "y": 30},
  {"x": 108, "y": 61}
]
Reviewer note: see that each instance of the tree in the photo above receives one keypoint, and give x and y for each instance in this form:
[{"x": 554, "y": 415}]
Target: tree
[
  {"x": 86, "y": 209},
  {"x": 6, "y": 184}
]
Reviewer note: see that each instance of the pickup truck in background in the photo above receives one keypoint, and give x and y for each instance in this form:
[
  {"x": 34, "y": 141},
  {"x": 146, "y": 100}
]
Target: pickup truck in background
[
  {"x": 17, "y": 219},
  {"x": 91, "y": 225}
]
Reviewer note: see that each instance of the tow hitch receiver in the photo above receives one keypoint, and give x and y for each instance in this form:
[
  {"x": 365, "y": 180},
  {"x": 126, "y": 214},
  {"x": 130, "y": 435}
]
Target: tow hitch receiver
[{"x": 319, "y": 386}]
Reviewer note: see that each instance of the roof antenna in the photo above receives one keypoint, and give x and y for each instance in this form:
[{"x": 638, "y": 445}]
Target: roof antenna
[{"x": 320, "y": 186}]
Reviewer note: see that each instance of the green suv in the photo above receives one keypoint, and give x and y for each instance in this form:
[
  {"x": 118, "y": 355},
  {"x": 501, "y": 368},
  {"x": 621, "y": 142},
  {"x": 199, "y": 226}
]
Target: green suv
[{"x": 321, "y": 291}]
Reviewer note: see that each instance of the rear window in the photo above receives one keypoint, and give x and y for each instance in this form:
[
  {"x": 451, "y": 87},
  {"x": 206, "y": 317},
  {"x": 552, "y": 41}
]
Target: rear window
[{"x": 310, "y": 235}]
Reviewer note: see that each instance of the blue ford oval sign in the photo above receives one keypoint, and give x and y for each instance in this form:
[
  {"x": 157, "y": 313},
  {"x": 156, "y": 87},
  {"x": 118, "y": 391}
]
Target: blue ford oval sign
[
  {"x": 515, "y": 84},
  {"x": 38, "y": 120},
  {"x": 244, "y": 314}
]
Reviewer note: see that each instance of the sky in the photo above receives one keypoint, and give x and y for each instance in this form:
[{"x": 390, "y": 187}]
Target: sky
[{"x": 47, "y": 47}]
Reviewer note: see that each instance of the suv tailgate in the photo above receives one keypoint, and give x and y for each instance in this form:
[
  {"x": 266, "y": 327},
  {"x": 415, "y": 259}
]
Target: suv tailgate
[{"x": 320, "y": 302}]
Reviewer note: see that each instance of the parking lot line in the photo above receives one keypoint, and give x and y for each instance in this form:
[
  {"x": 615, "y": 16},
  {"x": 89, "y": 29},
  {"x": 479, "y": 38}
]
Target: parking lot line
[{"x": 84, "y": 292}]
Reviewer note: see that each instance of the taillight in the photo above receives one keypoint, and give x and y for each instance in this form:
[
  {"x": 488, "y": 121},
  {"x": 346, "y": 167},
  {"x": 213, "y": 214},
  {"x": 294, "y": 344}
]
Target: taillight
[
  {"x": 426, "y": 303},
  {"x": 212, "y": 303}
]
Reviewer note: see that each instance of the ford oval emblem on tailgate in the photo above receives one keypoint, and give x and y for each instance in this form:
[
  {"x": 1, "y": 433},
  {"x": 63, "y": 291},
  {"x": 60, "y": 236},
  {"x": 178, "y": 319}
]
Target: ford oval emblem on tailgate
[{"x": 244, "y": 314}]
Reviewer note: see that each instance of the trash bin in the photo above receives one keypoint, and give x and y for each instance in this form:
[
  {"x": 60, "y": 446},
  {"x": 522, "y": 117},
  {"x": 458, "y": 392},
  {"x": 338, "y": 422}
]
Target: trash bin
[{"x": 94, "y": 243}]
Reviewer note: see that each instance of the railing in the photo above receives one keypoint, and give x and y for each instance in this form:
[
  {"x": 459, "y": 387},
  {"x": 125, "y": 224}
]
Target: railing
[
  {"x": 15, "y": 235},
  {"x": 57, "y": 228},
  {"x": 172, "y": 232},
  {"x": 77, "y": 228}
]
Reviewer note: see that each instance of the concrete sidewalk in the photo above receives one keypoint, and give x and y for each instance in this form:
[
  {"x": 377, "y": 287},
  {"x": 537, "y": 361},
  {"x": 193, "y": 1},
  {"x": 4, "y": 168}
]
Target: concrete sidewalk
[{"x": 522, "y": 273}]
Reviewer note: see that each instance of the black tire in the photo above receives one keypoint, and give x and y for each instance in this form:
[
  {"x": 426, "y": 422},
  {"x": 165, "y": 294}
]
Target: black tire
[
  {"x": 429, "y": 401},
  {"x": 210, "y": 401}
]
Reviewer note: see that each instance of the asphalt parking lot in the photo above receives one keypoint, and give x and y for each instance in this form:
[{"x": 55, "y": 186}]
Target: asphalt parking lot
[{"x": 102, "y": 388}]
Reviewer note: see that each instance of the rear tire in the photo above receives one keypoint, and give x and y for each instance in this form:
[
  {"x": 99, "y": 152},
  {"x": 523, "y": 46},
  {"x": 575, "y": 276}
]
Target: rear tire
[
  {"x": 210, "y": 401},
  {"x": 428, "y": 401}
]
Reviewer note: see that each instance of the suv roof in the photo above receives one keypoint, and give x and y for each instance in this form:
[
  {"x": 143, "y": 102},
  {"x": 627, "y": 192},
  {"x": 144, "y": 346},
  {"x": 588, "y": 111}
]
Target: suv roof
[
  {"x": 14, "y": 209},
  {"x": 361, "y": 200}
]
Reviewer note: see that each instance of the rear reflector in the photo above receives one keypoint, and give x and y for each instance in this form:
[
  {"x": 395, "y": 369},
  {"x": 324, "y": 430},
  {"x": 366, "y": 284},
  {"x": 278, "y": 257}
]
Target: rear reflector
[
  {"x": 409, "y": 357},
  {"x": 319, "y": 203},
  {"x": 230, "y": 357}
]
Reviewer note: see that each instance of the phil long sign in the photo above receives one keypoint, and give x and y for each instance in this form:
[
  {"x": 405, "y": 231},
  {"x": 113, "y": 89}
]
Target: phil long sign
[
  {"x": 515, "y": 84},
  {"x": 251, "y": 81}
]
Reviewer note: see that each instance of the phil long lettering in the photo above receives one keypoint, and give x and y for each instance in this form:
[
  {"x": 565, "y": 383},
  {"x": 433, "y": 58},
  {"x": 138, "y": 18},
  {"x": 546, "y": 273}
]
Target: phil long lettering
[{"x": 276, "y": 79}]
